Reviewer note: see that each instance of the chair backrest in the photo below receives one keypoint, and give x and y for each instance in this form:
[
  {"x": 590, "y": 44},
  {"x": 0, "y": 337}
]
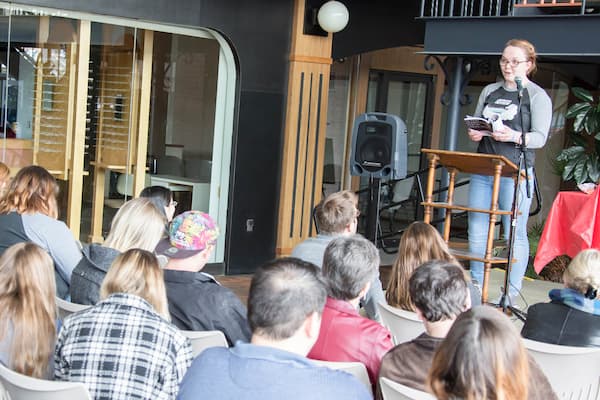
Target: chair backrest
[
  {"x": 396, "y": 391},
  {"x": 404, "y": 325},
  {"x": 357, "y": 369},
  {"x": 66, "y": 308},
  {"x": 403, "y": 189},
  {"x": 573, "y": 372},
  {"x": 21, "y": 387},
  {"x": 202, "y": 340}
]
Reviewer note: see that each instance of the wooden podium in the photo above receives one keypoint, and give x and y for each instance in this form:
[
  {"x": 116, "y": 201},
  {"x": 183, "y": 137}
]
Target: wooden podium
[{"x": 471, "y": 163}]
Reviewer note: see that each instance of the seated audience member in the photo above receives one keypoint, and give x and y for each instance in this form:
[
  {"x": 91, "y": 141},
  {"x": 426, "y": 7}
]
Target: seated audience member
[
  {"x": 29, "y": 212},
  {"x": 337, "y": 215},
  {"x": 439, "y": 291},
  {"x": 137, "y": 224},
  {"x": 420, "y": 243},
  {"x": 284, "y": 310},
  {"x": 483, "y": 357},
  {"x": 27, "y": 310},
  {"x": 197, "y": 302},
  {"x": 124, "y": 347},
  {"x": 4, "y": 178},
  {"x": 162, "y": 198},
  {"x": 349, "y": 265},
  {"x": 572, "y": 317}
]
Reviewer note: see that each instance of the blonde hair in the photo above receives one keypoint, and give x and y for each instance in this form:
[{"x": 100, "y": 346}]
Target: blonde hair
[
  {"x": 4, "y": 178},
  {"x": 529, "y": 51},
  {"x": 336, "y": 211},
  {"x": 137, "y": 224},
  {"x": 137, "y": 272},
  {"x": 32, "y": 190},
  {"x": 583, "y": 272},
  {"x": 482, "y": 357},
  {"x": 28, "y": 306},
  {"x": 420, "y": 243}
]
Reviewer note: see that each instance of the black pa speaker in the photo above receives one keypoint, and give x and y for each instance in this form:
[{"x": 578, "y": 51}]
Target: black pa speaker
[{"x": 379, "y": 147}]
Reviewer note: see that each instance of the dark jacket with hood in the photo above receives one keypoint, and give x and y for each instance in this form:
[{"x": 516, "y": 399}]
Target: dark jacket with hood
[{"x": 90, "y": 272}]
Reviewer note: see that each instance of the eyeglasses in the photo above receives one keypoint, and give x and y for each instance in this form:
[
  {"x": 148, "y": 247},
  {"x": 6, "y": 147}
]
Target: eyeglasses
[{"x": 513, "y": 63}]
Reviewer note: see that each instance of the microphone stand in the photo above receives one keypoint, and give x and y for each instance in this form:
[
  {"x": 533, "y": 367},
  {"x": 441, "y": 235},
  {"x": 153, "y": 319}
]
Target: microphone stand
[{"x": 505, "y": 301}]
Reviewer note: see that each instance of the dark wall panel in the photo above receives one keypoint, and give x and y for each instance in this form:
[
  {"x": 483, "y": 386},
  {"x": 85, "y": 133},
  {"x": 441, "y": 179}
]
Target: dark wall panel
[{"x": 259, "y": 33}]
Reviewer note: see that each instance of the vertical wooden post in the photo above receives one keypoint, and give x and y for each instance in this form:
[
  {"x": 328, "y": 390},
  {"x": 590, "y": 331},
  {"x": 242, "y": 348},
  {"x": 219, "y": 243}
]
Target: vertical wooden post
[
  {"x": 76, "y": 175},
  {"x": 304, "y": 133}
]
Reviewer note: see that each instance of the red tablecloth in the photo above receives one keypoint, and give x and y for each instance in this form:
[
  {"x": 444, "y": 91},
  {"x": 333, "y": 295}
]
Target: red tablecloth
[{"x": 573, "y": 224}]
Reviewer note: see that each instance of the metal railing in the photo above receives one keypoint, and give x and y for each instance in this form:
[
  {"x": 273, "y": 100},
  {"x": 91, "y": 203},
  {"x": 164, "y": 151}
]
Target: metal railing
[{"x": 492, "y": 8}]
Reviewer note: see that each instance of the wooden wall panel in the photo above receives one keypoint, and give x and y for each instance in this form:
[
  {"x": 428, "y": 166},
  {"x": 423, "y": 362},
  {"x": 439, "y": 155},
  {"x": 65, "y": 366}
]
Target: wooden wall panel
[{"x": 304, "y": 134}]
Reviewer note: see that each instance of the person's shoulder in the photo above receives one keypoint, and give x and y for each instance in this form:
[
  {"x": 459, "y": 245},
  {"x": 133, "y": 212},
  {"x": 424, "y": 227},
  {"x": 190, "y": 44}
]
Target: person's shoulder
[
  {"x": 492, "y": 87},
  {"x": 537, "y": 93},
  {"x": 208, "y": 359},
  {"x": 337, "y": 384}
]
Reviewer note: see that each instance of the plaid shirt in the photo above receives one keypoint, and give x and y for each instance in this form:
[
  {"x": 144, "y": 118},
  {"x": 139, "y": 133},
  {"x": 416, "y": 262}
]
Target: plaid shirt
[{"x": 122, "y": 349}]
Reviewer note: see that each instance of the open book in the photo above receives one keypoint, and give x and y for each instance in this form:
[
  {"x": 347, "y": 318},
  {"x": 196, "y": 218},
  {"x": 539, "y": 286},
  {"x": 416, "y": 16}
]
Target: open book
[{"x": 478, "y": 123}]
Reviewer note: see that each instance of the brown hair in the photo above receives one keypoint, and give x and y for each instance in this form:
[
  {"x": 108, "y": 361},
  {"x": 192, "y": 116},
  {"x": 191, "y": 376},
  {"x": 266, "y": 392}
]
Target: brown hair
[
  {"x": 529, "y": 50},
  {"x": 32, "y": 190},
  {"x": 28, "y": 308},
  {"x": 137, "y": 272},
  {"x": 420, "y": 243},
  {"x": 4, "y": 178},
  {"x": 482, "y": 357},
  {"x": 336, "y": 211}
]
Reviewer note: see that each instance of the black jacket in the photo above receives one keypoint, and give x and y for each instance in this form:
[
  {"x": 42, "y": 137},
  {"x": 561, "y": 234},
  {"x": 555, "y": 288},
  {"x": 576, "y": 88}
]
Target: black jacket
[
  {"x": 197, "y": 302},
  {"x": 557, "y": 323}
]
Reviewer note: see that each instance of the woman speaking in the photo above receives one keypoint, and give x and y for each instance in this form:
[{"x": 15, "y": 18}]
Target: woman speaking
[{"x": 513, "y": 101}]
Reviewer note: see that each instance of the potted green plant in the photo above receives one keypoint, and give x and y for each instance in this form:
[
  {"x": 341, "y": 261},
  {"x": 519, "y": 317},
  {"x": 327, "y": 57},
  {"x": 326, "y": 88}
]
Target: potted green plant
[{"x": 581, "y": 161}]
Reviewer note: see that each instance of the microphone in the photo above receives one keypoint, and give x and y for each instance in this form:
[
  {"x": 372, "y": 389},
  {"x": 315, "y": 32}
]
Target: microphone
[{"x": 519, "y": 82}]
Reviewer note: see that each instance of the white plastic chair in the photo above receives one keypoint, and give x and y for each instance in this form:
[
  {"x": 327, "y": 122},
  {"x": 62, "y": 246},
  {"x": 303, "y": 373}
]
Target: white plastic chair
[
  {"x": 404, "y": 325},
  {"x": 357, "y": 369},
  {"x": 396, "y": 391},
  {"x": 66, "y": 308},
  {"x": 202, "y": 340},
  {"x": 573, "y": 372},
  {"x": 21, "y": 387}
]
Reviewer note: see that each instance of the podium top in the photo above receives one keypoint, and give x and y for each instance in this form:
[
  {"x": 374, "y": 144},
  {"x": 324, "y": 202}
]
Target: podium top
[{"x": 473, "y": 163}]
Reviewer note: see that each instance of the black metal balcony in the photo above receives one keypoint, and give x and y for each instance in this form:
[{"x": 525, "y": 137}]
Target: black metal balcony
[{"x": 558, "y": 28}]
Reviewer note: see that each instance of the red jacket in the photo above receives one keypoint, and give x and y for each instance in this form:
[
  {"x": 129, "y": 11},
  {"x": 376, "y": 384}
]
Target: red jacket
[{"x": 346, "y": 336}]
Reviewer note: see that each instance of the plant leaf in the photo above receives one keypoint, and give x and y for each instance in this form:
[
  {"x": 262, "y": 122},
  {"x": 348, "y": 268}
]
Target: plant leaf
[
  {"x": 593, "y": 169},
  {"x": 591, "y": 122},
  {"x": 577, "y": 108},
  {"x": 579, "y": 122},
  {"x": 582, "y": 94},
  {"x": 580, "y": 171}
]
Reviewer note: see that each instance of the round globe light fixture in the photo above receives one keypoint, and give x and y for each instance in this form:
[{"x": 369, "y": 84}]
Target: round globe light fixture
[{"x": 333, "y": 16}]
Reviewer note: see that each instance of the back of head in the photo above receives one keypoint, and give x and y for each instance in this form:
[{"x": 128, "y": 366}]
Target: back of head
[
  {"x": 137, "y": 224},
  {"x": 32, "y": 190},
  {"x": 336, "y": 211},
  {"x": 283, "y": 293},
  {"x": 482, "y": 357},
  {"x": 349, "y": 263},
  {"x": 28, "y": 307},
  {"x": 420, "y": 243},
  {"x": 583, "y": 273},
  {"x": 439, "y": 290},
  {"x": 137, "y": 272},
  {"x": 159, "y": 195}
]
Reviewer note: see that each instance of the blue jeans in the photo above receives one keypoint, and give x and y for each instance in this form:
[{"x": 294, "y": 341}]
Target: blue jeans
[{"x": 480, "y": 196}]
